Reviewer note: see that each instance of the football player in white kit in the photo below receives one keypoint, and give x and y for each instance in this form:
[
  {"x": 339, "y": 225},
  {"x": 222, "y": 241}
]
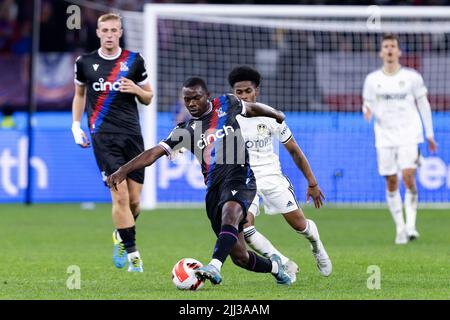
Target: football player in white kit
[
  {"x": 274, "y": 188},
  {"x": 394, "y": 96}
]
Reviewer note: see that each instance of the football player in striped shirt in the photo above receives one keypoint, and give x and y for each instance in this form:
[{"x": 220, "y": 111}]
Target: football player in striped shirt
[
  {"x": 107, "y": 81},
  {"x": 213, "y": 135}
]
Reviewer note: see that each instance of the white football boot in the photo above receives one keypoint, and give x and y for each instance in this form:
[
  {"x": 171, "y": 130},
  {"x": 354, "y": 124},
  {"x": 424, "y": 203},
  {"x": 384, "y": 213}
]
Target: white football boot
[
  {"x": 412, "y": 234},
  {"x": 322, "y": 260},
  {"x": 291, "y": 269},
  {"x": 401, "y": 237}
]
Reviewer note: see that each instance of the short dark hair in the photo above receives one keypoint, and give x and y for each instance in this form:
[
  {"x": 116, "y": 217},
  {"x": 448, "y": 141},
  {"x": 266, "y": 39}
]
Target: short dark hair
[
  {"x": 390, "y": 36},
  {"x": 244, "y": 73},
  {"x": 195, "y": 81}
]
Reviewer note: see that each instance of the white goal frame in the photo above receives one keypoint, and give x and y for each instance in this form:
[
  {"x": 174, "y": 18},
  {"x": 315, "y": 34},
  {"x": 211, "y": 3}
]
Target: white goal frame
[{"x": 371, "y": 15}]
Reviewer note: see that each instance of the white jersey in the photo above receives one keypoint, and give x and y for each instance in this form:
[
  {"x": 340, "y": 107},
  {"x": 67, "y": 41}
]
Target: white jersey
[
  {"x": 258, "y": 133},
  {"x": 392, "y": 99}
]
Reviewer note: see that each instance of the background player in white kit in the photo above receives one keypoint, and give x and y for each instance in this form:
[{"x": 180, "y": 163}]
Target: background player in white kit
[
  {"x": 394, "y": 96},
  {"x": 273, "y": 187}
]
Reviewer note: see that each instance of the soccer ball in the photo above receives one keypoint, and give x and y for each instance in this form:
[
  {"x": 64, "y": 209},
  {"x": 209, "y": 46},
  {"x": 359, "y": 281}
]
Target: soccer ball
[{"x": 183, "y": 274}]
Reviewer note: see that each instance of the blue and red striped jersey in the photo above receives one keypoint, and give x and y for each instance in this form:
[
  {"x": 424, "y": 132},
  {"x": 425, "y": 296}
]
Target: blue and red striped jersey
[
  {"x": 215, "y": 139},
  {"x": 109, "y": 110}
]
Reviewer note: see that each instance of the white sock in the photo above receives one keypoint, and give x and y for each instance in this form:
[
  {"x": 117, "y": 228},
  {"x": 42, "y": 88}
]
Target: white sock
[
  {"x": 274, "y": 267},
  {"x": 261, "y": 244},
  {"x": 118, "y": 236},
  {"x": 216, "y": 263},
  {"x": 394, "y": 202},
  {"x": 411, "y": 200},
  {"x": 312, "y": 234},
  {"x": 133, "y": 255}
]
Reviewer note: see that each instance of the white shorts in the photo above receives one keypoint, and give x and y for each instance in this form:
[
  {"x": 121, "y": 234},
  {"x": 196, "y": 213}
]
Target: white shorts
[
  {"x": 393, "y": 159},
  {"x": 277, "y": 194}
]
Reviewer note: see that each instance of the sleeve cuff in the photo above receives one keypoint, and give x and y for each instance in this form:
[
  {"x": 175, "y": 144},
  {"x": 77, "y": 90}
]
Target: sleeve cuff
[
  {"x": 287, "y": 140},
  {"x": 78, "y": 82},
  {"x": 166, "y": 148},
  {"x": 143, "y": 82}
]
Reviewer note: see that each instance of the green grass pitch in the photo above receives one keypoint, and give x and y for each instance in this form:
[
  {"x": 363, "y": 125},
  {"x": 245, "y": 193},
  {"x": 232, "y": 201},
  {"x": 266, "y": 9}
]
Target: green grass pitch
[{"x": 39, "y": 244}]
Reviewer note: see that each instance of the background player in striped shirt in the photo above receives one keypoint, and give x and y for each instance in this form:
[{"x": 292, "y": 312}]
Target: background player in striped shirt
[{"x": 108, "y": 81}]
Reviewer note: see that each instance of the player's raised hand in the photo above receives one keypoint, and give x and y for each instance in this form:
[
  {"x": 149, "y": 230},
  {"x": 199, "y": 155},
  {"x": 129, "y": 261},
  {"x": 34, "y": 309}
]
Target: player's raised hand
[
  {"x": 316, "y": 194},
  {"x": 128, "y": 86},
  {"x": 432, "y": 145},
  {"x": 116, "y": 178},
  {"x": 79, "y": 136}
]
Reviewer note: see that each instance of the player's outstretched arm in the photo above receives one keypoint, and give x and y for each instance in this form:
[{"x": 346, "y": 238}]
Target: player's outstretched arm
[
  {"x": 302, "y": 163},
  {"x": 145, "y": 159},
  {"x": 257, "y": 109}
]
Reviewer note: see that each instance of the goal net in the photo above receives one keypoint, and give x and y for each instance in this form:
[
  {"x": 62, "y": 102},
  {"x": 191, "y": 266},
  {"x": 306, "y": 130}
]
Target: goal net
[{"x": 313, "y": 61}]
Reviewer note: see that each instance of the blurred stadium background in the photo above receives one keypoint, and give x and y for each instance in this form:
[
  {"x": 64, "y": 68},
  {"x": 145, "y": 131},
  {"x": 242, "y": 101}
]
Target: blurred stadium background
[{"x": 313, "y": 60}]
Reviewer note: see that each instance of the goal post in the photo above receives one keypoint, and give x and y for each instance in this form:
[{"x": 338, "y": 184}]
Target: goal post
[{"x": 313, "y": 60}]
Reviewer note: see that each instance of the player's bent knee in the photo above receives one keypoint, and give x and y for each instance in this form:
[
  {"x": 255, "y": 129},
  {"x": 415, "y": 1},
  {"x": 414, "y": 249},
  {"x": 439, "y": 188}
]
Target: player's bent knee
[
  {"x": 121, "y": 200},
  {"x": 122, "y": 203},
  {"x": 135, "y": 206},
  {"x": 232, "y": 213},
  {"x": 409, "y": 181},
  {"x": 392, "y": 183},
  {"x": 296, "y": 219},
  {"x": 250, "y": 220},
  {"x": 248, "y": 224}
]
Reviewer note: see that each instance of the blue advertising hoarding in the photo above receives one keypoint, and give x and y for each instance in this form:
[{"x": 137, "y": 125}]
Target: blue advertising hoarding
[{"x": 339, "y": 147}]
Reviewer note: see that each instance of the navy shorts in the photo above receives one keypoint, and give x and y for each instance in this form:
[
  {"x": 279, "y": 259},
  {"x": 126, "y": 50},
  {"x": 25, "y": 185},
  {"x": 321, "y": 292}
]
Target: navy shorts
[
  {"x": 238, "y": 186},
  {"x": 113, "y": 150}
]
